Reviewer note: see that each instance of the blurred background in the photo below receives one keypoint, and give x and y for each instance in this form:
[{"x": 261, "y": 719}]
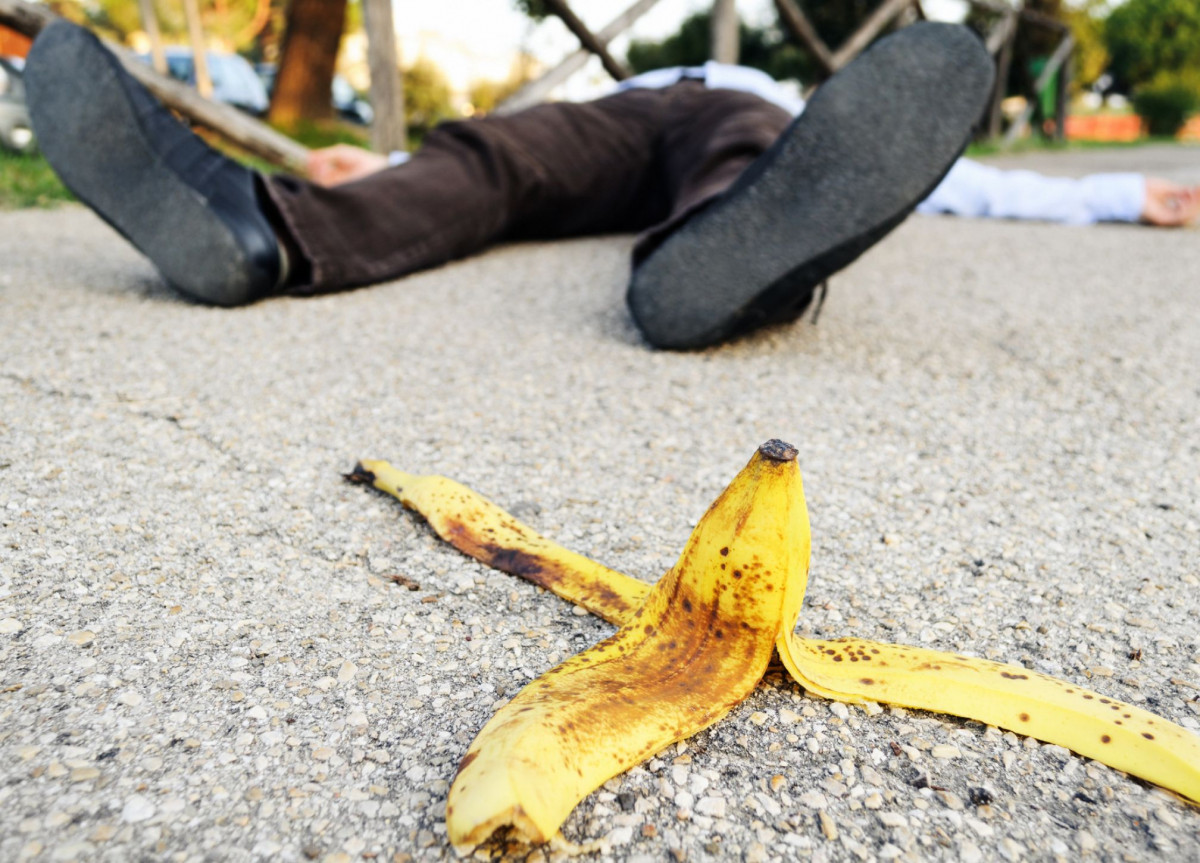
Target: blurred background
[{"x": 1071, "y": 72}]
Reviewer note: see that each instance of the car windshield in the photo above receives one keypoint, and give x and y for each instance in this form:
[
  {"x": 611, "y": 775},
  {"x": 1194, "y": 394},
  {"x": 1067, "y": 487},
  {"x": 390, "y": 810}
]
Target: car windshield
[
  {"x": 221, "y": 71},
  {"x": 180, "y": 67},
  {"x": 233, "y": 79},
  {"x": 343, "y": 93}
]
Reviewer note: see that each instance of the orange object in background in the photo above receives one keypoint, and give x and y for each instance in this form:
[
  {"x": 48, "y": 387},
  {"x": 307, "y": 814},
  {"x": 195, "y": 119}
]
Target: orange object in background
[
  {"x": 1121, "y": 127},
  {"x": 1104, "y": 127},
  {"x": 13, "y": 44},
  {"x": 1190, "y": 130}
]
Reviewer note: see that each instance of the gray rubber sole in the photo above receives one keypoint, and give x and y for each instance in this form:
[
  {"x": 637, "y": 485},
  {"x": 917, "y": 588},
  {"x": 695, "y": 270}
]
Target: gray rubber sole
[
  {"x": 89, "y": 132},
  {"x": 872, "y": 143}
]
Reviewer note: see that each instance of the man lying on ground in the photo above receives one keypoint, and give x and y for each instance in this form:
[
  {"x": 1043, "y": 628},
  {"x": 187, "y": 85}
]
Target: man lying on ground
[
  {"x": 742, "y": 210},
  {"x": 969, "y": 189}
]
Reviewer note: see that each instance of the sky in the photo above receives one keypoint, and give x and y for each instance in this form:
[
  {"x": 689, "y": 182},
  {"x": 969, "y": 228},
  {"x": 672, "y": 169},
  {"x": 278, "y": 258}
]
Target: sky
[{"x": 471, "y": 39}]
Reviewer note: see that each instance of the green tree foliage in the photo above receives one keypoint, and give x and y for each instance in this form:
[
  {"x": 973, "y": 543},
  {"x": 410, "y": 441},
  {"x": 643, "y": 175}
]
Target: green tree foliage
[
  {"x": 1091, "y": 55},
  {"x": 1034, "y": 43},
  {"x": 836, "y": 20},
  {"x": 1149, "y": 37},
  {"x": 484, "y": 95},
  {"x": 769, "y": 48},
  {"x": 535, "y": 9},
  {"x": 427, "y": 98},
  {"x": 764, "y": 49},
  {"x": 242, "y": 25}
]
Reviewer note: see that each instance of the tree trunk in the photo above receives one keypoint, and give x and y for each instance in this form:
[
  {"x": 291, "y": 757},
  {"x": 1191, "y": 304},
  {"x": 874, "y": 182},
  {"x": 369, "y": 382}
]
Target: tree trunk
[{"x": 310, "y": 48}]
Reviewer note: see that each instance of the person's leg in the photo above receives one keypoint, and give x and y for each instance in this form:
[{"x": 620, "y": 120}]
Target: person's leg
[
  {"x": 556, "y": 170},
  {"x": 709, "y": 138},
  {"x": 872, "y": 143},
  {"x": 221, "y": 233}
]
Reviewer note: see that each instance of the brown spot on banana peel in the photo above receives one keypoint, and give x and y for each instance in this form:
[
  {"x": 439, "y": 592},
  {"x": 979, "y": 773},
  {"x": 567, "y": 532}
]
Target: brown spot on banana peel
[
  {"x": 477, "y": 527},
  {"x": 540, "y": 571},
  {"x": 466, "y": 761}
]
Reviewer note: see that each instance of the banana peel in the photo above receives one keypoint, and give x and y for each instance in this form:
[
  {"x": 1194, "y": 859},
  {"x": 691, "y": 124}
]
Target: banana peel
[
  {"x": 696, "y": 643},
  {"x": 477, "y": 527}
]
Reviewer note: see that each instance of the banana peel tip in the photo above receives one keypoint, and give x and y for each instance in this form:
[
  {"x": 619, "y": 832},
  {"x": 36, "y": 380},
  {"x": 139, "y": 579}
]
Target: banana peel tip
[
  {"x": 359, "y": 475},
  {"x": 778, "y": 450}
]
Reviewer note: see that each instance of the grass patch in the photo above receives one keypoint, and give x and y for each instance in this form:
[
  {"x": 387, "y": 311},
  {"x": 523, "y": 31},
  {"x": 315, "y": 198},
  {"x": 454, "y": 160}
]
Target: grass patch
[
  {"x": 311, "y": 135},
  {"x": 315, "y": 135},
  {"x": 29, "y": 181},
  {"x": 1038, "y": 144}
]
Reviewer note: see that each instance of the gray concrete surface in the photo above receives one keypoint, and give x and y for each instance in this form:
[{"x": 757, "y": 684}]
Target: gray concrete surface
[{"x": 202, "y": 656}]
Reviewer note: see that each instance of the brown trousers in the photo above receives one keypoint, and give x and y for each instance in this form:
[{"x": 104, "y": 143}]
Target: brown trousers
[{"x": 637, "y": 161}]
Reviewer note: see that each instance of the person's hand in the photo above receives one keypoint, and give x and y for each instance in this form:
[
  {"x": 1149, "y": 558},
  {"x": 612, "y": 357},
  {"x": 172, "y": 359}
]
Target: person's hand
[
  {"x": 1170, "y": 204},
  {"x": 343, "y": 163}
]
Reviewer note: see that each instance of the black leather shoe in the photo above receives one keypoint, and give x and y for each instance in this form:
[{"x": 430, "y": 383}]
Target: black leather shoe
[
  {"x": 190, "y": 210},
  {"x": 873, "y": 142}
]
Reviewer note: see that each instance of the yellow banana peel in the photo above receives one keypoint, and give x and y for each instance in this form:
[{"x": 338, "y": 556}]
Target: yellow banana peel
[
  {"x": 696, "y": 643},
  {"x": 477, "y": 527}
]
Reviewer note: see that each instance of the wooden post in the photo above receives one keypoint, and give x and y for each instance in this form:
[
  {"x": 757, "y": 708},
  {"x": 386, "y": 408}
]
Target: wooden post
[
  {"x": 870, "y": 28},
  {"x": 797, "y": 22},
  {"x": 1061, "y": 53},
  {"x": 723, "y": 29},
  {"x": 150, "y": 24},
  {"x": 536, "y": 91},
  {"x": 1001, "y": 40},
  {"x": 388, "y": 131},
  {"x": 1061, "y": 96},
  {"x": 230, "y": 123},
  {"x": 587, "y": 38},
  {"x": 199, "y": 52},
  {"x": 1000, "y": 32}
]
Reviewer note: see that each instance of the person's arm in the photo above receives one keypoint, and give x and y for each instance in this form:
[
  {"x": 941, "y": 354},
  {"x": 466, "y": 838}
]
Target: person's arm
[
  {"x": 972, "y": 189},
  {"x": 343, "y": 163},
  {"x": 1169, "y": 204}
]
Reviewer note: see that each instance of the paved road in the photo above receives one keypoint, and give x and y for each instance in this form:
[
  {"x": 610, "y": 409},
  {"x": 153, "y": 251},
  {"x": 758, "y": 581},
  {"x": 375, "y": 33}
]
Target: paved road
[{"x": 202, "y": 655}]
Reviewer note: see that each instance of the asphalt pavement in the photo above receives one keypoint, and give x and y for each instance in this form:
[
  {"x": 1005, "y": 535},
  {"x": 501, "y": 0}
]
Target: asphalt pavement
[{"x": 205, "y": 653}]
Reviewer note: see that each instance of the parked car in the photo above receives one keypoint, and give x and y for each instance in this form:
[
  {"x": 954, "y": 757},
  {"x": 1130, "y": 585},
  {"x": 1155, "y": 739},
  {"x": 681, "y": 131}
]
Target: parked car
[
  {"x": 349, "y": 104},
  {"x": 347, "y": 101},
  {"x": 233, "y": 78},
  {"x": 16, "y": 132}
]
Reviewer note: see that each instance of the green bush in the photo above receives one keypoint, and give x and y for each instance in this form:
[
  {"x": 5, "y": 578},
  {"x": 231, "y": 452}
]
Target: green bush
[{"x": 1166, "y": 103}]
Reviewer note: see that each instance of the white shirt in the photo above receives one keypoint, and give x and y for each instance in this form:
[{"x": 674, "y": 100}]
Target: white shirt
[{"x": 970, "y": 188}]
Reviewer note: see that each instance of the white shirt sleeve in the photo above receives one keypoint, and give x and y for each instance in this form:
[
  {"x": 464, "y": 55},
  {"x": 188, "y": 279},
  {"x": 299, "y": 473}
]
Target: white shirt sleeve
[
  {"x": 721, "y": 76},
  {"x": 972, "y": 189}
]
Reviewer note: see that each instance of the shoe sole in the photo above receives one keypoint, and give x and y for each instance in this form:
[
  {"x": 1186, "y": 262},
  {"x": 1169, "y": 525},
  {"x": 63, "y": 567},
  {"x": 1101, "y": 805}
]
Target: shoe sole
[
  {"x": 90, "y": 134},
  {"x": 873, "y": 142}
]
